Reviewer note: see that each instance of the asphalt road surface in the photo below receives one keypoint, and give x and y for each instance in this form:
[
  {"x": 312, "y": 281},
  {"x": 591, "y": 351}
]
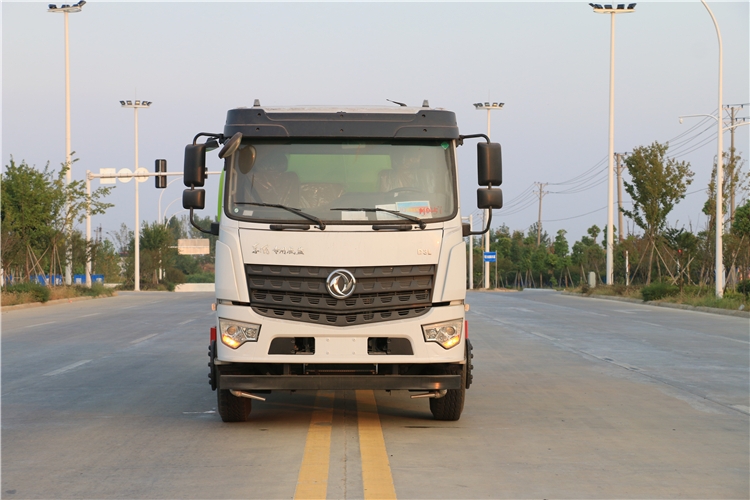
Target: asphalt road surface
[{"x": 572, "y": 398}]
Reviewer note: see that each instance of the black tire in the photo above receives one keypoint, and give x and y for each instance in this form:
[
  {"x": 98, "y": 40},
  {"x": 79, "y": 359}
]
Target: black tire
[
  {"x": 450, "y": 406},
  {"x": 232, "y": 408}
]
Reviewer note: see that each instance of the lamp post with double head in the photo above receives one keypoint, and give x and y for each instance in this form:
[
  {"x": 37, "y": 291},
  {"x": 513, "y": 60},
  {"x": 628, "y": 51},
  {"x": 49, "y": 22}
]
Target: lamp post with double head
[
  {"x": 612, "y": 10},
  {"x": 136, "y": 105},
  {"x": 65, "y": 10},
  {"x": 489, "y": 106}
]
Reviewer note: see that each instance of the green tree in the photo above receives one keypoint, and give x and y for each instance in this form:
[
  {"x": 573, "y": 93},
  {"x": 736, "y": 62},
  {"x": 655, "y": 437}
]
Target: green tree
[
  {"x": 657, "y": 184},
  {"x": 156, "y": 240},
  {"x": 37, "y": 207}
]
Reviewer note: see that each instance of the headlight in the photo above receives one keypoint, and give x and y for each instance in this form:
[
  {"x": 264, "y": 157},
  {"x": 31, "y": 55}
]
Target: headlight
[
  {"x": 447, "y": 334},
  {"x": 236, "y": 333}
]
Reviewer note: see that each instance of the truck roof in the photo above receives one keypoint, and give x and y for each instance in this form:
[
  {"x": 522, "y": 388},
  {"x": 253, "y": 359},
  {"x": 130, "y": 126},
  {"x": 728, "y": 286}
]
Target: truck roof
[{"x": 363, "y": 122}]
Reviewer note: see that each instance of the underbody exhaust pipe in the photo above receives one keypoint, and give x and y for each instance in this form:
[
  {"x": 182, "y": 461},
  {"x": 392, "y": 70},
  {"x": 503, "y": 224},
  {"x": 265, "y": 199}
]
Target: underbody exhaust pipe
[
  {"x": 432, "y": 394},
  {"x": 243, "y": 394}
]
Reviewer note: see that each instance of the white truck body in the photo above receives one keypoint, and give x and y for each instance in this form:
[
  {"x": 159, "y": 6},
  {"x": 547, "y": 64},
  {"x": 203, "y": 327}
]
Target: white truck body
[{"x": 340, "y": 260}]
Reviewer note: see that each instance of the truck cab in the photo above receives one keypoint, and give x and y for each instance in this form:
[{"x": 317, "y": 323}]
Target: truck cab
[{"x": 340, "y": 260}]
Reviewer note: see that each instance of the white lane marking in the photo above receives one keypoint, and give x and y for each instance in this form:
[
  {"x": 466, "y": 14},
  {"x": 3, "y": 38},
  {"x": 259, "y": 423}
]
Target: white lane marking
[
  {"x": 725, "y": 338},
  {"x": 186, "y": 322},
  {"x": 86, "y": 316},
  {"x": 138, "y": 341},
  {"x": 39, "y": 324},
  {"x": 129, "y": 307},
  {"x": 197, "y": 412},
  {"x": 521, "y": 309},
  {"x": 543, "y": 335},
  {"x": 595, "y": 314},
  {"x": 67, "y": 368}
]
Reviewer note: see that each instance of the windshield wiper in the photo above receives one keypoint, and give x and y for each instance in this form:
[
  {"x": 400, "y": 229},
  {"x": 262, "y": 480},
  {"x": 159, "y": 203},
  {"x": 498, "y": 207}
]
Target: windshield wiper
[
  {"x": 416, "y": 220},
  {"x": 297, "y": 211}
]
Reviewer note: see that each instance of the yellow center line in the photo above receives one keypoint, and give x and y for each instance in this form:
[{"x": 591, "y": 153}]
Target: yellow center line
[
  {"x": 376, "y": 469},
  {"x": 312, "y": 481}
]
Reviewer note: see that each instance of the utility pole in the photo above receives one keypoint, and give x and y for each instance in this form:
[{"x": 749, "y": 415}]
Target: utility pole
[
  {"x": 732, "y": 108},
  {"x": 620, "y": 232},
  {"x": 539, "y": 219}
]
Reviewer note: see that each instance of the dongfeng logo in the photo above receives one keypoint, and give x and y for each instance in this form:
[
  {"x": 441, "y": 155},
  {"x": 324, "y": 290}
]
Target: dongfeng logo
[{"x": 340, "y": 283}]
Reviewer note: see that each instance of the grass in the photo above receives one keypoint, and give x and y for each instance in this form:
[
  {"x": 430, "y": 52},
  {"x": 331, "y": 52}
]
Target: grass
[
  {"x": 26, "y": 293},
  {"x": 691, "y": 295}
]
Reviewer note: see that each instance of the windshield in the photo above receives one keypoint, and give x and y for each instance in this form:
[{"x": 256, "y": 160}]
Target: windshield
[{"x": 341, "y": 182}]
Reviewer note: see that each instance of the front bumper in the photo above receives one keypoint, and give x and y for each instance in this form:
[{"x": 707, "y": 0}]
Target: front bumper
[
  {"x": 335, "y": 345},
  {"x": 337, "y": 382}
]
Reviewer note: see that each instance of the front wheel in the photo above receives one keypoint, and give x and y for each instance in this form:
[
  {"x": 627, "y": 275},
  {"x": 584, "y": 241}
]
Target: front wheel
[
  {"x": 450, "y": 406},
  {"x": 231, "y": 408}
]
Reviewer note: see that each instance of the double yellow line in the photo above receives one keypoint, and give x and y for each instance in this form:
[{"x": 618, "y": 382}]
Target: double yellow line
[{"x": 312, "y": 482}]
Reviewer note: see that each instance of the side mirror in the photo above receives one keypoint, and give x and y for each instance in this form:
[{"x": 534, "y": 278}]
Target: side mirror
[
  {"x": 195, "y": 165},
  {"x": 231, "y": 146},
  {"x": 489, "y": 198},
  {"x": 194, "y": 199},
  {"x": 489, "y": 164}
]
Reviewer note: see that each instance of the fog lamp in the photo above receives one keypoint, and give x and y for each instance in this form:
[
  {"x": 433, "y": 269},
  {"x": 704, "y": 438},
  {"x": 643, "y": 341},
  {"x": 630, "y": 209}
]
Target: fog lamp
[
  {"x": 236, "y": 333},
  {"x": 447, "y": 333}
]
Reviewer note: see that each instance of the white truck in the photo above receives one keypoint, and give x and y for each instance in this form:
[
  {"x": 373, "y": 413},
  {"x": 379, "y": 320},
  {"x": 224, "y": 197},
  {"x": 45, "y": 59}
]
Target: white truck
[{"x": 340, "y": 259}]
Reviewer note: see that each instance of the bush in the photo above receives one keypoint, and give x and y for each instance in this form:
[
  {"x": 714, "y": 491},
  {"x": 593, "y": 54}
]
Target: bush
[
  {"x": 743, "y": 287},
  {"x": 174, "y": 275},
  {"x": 96, "y": 290},
  {"x": 201, "y": 278},
  {"x": 39, "y": 293},
  {"x": 656, "y": 291}
]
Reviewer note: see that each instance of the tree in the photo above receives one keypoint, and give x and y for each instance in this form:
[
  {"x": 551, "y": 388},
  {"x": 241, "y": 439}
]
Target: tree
[
  {"x": 657, "y": 184},
  {"x": 156, "y": 240},
  {"x": 587, "y": 253},
  {"x": 30, "y": 206},
  {"x": 37, "y": 207}
]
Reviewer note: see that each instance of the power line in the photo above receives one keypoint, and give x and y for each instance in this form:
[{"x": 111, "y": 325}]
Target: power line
[{"x": 577, "y": 216}]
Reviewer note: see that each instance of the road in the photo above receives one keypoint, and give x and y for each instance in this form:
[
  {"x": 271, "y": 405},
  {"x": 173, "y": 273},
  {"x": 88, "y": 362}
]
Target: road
[{"x": 572, "y": 398}]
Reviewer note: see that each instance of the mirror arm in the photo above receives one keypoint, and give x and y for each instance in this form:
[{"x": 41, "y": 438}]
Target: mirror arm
[
  {"x": 472, "y": 136},
  {"x": 219, "y": 137},
  {"x": 214, "y": 226},
  {"x": 489, "y": 222}
]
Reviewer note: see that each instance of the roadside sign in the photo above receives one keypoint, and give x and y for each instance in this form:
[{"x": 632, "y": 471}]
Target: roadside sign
[
  {"x": 125, "y": 175},
  {"x": 196, "y": 246},
  {"x": 490, "y": 256},
  {"x": 107, "y": 171}
]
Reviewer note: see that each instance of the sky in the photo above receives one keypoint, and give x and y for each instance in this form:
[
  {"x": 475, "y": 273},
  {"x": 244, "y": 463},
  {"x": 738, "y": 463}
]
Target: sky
[{"x": 548, "y": 62}]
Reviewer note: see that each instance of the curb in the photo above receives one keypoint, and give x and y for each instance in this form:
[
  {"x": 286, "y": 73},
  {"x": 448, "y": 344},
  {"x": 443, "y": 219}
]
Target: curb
[
  {"x": 669, "y": 305},
  {"x": 31, "y": 305}
]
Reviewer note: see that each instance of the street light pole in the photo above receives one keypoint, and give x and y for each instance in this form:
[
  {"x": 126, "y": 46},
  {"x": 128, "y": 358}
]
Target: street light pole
[
  {"x": 137, "y": 233},
  {"x": 719, "y": 167},
  {"x": 611, "y": 10},
  {"x": 66, "y": 9},
  {"x": 719, "y": 198},
  {"x": 489, "y": 107}
]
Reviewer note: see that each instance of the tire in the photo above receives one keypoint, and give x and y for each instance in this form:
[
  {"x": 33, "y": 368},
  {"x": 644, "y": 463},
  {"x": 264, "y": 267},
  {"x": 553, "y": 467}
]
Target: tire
[
  {"x": 450, "y": 406},
  {"x": 232, "y": 408}
]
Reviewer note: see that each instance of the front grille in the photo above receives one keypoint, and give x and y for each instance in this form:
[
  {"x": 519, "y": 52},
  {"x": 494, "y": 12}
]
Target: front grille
[{"x": 300, "y": 294}]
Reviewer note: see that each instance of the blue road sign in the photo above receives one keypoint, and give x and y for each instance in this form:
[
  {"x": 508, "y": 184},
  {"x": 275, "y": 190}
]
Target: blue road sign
[{"x": 490, "y": 256}]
